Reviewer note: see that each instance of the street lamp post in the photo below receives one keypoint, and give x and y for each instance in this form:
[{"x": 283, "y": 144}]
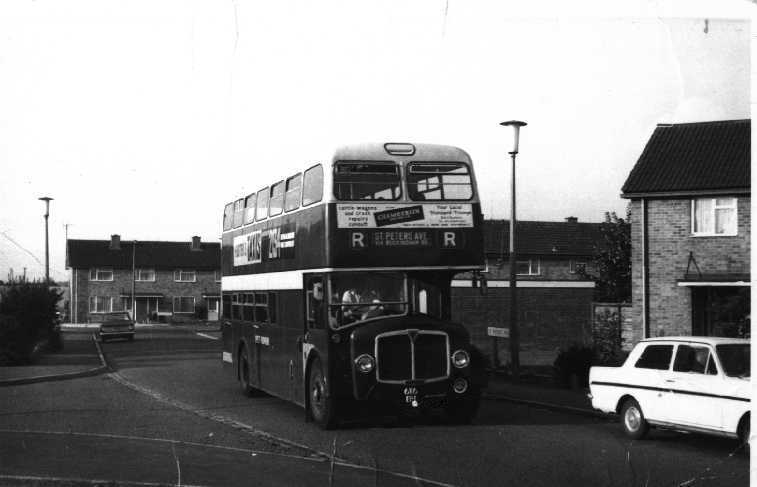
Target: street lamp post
[
  {"x": 514, "y": 332},
  {"x": 47, "y": 201}
]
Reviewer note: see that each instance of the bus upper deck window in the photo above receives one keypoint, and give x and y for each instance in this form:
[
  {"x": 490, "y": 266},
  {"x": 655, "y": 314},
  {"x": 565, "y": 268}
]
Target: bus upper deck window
[
  {"x": 312, "y": 187},
  {"x": 228, "y": 216},
  {"x": 249, "y": 209},
  {"x": 262, "y": 205},
  {"x": 439, "y": 181},
  {"x": 293, "y": 193},
  {"x": 238, "y": 212},
  {"x": 276, "y": 203},
  {"x": 369, "y": 180}
]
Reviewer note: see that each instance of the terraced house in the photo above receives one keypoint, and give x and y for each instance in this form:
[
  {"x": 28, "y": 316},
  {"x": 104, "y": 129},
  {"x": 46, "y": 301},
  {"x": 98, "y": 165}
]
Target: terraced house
[
  {"x": 690, "y": 198},
  {"x": 155, "y": 281}
]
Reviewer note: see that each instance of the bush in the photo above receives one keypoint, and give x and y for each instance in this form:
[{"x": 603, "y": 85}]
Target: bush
[
  {"x": 29, "y": 319},
  {"x": 571, "y": 367}
]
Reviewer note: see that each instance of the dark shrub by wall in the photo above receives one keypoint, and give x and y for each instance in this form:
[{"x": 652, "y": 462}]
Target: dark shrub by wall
[{"x": 29, "y": 319}]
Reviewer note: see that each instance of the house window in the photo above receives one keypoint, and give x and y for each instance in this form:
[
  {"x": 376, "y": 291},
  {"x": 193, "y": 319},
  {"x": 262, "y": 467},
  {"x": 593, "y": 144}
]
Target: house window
[
  {"x": 145, "y": 275},
  {"x": 713, "y": 216},
  {"x": 217, "y": 275},
  {"x": 527, "y": 267},
  {"x": 99, "y": 274},
  {"x": 577, "y": 267},
  {"x": 100, "y": 304},
  {"x": 180, "y": 275},
  {"x": 184, "y": 304}
]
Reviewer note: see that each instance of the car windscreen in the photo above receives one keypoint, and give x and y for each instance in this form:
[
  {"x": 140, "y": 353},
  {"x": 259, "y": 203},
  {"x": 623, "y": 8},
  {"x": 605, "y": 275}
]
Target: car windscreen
[{"x": 735, "y": 359}]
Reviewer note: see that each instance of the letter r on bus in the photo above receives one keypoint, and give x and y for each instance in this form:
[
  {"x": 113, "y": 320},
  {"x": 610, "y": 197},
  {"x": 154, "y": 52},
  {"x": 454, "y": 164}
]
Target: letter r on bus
[
  {"x": 449, "y": 239},
  {"x": 357, "y": 240}
]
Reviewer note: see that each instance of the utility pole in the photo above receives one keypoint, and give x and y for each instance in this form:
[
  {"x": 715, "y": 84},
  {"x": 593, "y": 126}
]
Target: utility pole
[
  {"x": 47, "y": 201},
  {"x": 133, "y": 281}
]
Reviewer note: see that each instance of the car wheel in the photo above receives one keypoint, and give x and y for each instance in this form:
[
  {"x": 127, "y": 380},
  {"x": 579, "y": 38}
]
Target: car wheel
[
  {"x": 321, "y": 405},
  {"x": 244, "y": 375},
  {"x": 633, "y": 421},
  {"x": 744, "y": 430}
]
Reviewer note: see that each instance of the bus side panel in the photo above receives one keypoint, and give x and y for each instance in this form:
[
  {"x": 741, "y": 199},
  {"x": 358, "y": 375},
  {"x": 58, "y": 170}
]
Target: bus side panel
[{"x": 227, "y": 348}]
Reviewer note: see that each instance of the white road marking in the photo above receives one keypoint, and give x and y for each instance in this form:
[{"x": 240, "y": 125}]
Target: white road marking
[
  {"x": 207, "y": 336},
  {"x": 268, "y": 436}
]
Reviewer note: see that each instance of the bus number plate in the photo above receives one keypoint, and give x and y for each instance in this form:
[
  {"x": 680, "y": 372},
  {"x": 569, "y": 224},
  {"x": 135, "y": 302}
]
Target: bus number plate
[{"x": 411, "y": 395}]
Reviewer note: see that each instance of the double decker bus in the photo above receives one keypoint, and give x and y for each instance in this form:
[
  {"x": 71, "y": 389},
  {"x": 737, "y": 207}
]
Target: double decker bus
[{"x": 336, "y": 283}]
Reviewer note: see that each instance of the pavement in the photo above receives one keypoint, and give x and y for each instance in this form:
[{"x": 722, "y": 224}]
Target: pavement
[{"x": 82, "y": 357}]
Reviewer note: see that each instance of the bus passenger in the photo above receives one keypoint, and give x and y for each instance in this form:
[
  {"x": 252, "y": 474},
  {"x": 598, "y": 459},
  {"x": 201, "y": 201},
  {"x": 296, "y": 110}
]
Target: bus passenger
[{"x": 351, "y": 298}]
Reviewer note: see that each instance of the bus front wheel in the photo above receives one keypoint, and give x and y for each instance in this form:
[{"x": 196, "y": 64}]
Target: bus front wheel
[{"x": 320, "y": 401}]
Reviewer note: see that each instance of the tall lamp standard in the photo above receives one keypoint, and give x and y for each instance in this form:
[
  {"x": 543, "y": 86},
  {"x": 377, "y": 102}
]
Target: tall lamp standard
[
  {"x": 514, "y": 332},
  {"x": 47, "y": 201}
]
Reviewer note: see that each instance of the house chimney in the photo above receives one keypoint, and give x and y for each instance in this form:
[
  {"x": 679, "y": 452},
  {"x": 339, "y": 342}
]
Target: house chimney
[
  {"x": 196, "y": 243},
  {"x": 115, "y": 242},
  {"x": 572, "y": 219}
]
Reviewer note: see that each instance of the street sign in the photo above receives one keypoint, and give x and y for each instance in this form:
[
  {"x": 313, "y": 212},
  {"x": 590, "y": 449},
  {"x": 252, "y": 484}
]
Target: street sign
[{"x": 498, "y": 332}]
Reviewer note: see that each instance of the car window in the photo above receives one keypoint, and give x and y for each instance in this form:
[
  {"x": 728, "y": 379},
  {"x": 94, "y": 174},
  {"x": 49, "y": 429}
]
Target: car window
[
  {"x": 116, "y": 317},
  {"x": 655, "y": 357},
  {"x": 696, "y": 359}
]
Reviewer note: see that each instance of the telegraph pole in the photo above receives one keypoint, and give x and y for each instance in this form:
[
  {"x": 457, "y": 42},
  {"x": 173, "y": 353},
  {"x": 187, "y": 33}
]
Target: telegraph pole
[{"x": 47, "y": 201}]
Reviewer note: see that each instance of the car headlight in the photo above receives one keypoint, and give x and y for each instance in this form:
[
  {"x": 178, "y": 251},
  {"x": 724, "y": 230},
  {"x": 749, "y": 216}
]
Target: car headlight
[
  {"x": 460, "y": 359},
  {"x": 365, "y": 363}
]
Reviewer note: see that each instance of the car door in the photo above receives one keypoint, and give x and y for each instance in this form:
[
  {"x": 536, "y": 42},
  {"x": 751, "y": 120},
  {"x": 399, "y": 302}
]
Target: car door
[
  {"x": 646, "y": 379},
  {"x": 695, "y": 388}
]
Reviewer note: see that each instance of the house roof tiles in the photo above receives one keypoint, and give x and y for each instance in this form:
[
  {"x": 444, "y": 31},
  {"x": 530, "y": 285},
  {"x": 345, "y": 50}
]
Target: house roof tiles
[
  {"x": 542, "y": 238},
  {"x": 159, "y": 255},
  {"x": 693, "y": 158}
]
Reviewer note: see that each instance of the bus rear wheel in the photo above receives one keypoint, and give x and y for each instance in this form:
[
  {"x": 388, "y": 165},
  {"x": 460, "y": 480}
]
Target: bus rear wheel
[{"x": 321, "y": 404}]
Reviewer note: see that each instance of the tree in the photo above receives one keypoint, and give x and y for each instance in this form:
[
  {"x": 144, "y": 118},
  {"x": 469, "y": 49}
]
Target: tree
[{"x": 612, "y": 259}]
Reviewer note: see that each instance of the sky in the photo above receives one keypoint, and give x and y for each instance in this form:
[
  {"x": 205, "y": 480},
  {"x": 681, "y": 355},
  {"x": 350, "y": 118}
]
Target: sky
[{"x": 143, "y": 118}]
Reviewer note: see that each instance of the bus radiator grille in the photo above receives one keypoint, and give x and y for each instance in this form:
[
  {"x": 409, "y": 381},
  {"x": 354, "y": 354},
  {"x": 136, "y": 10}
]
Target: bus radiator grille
[{"x": 412, "y": 355}]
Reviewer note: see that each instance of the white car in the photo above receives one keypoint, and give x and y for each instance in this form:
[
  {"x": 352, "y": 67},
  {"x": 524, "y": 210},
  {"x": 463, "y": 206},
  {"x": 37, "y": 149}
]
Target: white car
[{"x": 699, "y": 384}]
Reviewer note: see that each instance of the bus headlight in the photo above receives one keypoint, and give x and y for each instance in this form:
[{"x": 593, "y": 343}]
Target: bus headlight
[
  {"x": 460, "y": 359},
  {"x": 365, "y": 363}
]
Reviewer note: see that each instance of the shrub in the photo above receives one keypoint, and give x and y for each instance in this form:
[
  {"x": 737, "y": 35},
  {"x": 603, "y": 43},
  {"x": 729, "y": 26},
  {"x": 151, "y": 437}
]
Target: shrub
[
  {"x": 29, "y": 313},
  {"x": 571, "y": 367}
]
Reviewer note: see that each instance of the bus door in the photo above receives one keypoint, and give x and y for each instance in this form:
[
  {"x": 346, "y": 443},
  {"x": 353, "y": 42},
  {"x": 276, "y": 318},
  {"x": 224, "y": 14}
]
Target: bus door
[{"x": 315, "y": 332}]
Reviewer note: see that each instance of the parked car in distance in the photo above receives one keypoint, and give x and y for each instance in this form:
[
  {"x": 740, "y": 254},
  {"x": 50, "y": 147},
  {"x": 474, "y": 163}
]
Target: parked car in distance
[
  {"x": 117, "y": 324},
  {"x": 698, "y": 384}
]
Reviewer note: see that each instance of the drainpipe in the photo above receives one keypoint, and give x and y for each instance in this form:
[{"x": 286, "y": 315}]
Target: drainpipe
[{"x": 645, "y": 270}]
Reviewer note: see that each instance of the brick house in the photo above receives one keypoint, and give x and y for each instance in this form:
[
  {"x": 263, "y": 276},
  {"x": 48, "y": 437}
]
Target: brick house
[
  {"x": 173, "y": 281},
  {"x": 554, "y": 300},
  {"x": 690, "y": 200}
]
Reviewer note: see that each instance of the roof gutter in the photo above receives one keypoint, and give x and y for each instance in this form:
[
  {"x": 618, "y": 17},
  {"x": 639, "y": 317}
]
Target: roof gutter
[{"x": 685, "y": 193}]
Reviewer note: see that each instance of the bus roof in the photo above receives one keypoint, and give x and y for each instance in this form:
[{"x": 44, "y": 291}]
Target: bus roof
[{"x": 400, "y": 150}]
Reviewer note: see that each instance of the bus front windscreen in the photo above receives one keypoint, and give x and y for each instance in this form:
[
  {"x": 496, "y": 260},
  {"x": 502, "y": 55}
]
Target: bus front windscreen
[{"x": 359, "y": 296}]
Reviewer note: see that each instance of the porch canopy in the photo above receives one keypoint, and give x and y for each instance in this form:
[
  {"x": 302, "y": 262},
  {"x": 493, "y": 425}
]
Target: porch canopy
[{"x": 692, "y": 280}]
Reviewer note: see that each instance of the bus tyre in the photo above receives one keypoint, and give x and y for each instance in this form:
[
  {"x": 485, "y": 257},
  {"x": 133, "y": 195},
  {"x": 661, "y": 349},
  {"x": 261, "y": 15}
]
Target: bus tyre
[
  {"x": 320, "y": 401},
  {"x": 462, "y": 410},
  {"x": 244, "y": 375},
  {"x": 632, "y": 419}
]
